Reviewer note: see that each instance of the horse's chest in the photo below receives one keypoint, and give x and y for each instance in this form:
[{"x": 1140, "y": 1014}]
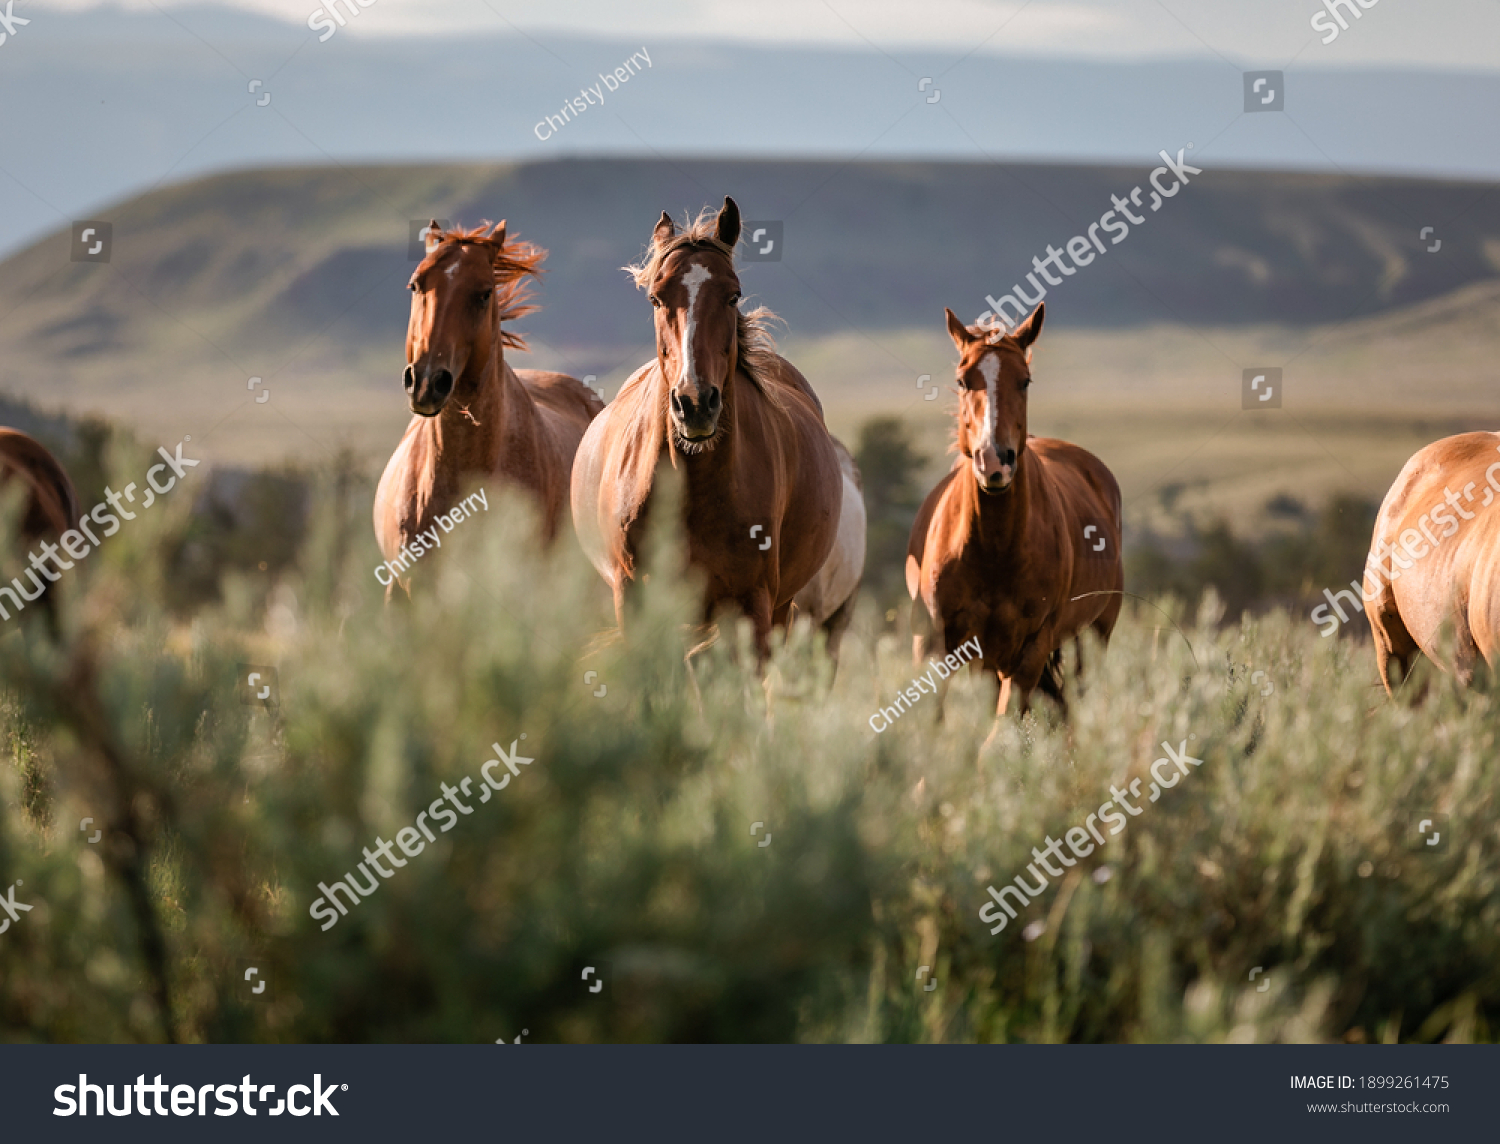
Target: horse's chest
[
  {"x": 1005, "y": 618},
  {"x": 730, "y": 530}
]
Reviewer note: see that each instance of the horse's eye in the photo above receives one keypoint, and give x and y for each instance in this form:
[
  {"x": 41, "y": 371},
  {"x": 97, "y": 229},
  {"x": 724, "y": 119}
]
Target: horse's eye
[
  {"x": 734, "y": 299},
  {"x": 484, "y": 296},
  {"x": 655, "y": 301},
  {"x": 1026, "y": 383},
  {"x": 412, "y": 286}
]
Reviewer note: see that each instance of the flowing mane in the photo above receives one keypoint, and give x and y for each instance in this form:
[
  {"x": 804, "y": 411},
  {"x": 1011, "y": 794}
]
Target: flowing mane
[
  {"x": 757, "y": 348},
  {"x": 516, "y": 264}
]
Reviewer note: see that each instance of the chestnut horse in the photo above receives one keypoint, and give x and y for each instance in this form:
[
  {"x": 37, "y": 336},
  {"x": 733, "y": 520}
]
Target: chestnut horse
[
  {"x": 475, "y": 417},
  {"x": 1018, "y": 546},
  {"x": 1450, "y": 580},
  {"x": 763, "y": 492},
  {"x": 50, "y": 509}
]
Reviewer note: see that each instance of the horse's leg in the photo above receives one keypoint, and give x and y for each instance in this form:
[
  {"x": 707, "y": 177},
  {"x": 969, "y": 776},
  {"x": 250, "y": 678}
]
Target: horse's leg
[
  {"x": 922, "y": 631},
  {"x": 1465, "y": 651},
  {"x": 618, "y": 588},
  {"x": 1051, "y": 680},
  {"x": 1393, "y": 642},
  {"x": 758, "y": 608},
  {"x": 1105, "y": 622},
  {"x": 835, "y": 625},
  {"x": 1035, "y": 659}
]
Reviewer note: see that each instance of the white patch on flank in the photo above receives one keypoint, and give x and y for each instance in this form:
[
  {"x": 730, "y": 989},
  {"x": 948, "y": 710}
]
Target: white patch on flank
[
  {"x": 693, "y": 280},
  {"x": 989, "y": 367}
]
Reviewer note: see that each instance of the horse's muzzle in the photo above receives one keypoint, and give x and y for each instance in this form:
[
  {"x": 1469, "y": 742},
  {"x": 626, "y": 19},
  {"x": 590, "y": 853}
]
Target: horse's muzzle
[
  {"x": 428, "y": 392},
  {"x": 995, "y": 471},
  {"x": 697, "y": 420}
]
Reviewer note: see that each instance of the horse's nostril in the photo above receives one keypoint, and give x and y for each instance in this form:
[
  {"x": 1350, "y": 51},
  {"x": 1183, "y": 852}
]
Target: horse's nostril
[
  {"x": 713, "y": 401},
  {"x": 1008, "y": 457},
  {"x": 442, "y": 382},
  {"x": 409, "y": 378}
]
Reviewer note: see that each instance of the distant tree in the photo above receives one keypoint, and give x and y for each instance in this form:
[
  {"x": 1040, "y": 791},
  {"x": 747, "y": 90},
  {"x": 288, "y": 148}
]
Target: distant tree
[{"x": 889, "y": 464}]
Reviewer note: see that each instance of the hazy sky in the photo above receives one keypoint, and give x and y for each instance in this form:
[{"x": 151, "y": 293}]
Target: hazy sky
[
  {"x": 1449, "y": 34},
  {"x": 119, "y": 98}
]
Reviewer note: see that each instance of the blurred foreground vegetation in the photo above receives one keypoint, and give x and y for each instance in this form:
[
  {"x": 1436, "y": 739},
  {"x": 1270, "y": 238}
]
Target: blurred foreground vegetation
[{"x": 627, "y": 844}]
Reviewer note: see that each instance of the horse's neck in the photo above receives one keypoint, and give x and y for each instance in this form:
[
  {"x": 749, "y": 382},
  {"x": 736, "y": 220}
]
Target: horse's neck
[
  {"x": 998, "y": 521},
  {"x": 706, "y": 473},
  {"x": 466, "y": 439}
]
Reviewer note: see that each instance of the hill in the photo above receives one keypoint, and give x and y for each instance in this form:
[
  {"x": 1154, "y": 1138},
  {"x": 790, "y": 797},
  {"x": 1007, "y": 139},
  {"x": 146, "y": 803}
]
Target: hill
[{"x": 296, "y": 277}]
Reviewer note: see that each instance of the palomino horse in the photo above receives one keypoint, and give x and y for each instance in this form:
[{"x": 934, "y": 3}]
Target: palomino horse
[
  {"x": 763, "y": 493},
  {"x": 1450, "y": 580},
  {"x": 475, "y": 416},
  {"x": 1018, "y": 546},
  {"x": 51, "y": 509}
]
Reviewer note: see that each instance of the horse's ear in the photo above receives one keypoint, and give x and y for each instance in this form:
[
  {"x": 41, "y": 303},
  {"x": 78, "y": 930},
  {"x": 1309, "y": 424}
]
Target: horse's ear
[
  {"x": 498, "y": 232},
  {"x": 727, "y": 230},
  {"x": 958, "y": 331},
  {"x": 1027, "y": 331},
  {"x": 665, "y": 230},
  {"x": 434, "y": 235}
]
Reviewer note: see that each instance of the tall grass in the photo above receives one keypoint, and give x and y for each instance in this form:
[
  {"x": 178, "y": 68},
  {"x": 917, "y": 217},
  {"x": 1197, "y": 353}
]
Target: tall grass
[{"x": 627, "y": 844}]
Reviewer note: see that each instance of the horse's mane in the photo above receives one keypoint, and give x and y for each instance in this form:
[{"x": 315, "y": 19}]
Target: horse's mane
[
  {"x": 757, "y": 348},
  {"x": 516, "y": 264},
  {"x": 995, "y": 331}
]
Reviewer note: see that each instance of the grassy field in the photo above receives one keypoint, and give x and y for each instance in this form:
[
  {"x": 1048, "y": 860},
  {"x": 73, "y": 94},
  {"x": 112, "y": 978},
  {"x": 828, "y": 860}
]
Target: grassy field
[
  {"x": 629, "y": 842},
  {"x": 1161, "y": 405}
]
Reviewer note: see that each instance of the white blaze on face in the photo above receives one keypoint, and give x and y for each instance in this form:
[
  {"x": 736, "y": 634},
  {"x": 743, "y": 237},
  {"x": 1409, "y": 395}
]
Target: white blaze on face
[
  {"x": 989, "y": 369},
  {"x": 694, "y": 279}
]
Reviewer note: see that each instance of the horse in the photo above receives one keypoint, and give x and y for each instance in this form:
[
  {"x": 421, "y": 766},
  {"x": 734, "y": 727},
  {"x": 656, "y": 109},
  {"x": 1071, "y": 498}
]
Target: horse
[
  {"x": 1452, "y": 579},
  {"x": 764, "y": 492},
  {"x": 828, "y": 599},
  {"x": 1018, "y": 545},
  {"x": 474, "y": 416},
  {"x": 50, "y": 510}
]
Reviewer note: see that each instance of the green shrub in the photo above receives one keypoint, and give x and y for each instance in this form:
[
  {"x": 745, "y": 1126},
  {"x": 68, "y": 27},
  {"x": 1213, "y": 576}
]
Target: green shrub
[{"x": 627, "y": 844}]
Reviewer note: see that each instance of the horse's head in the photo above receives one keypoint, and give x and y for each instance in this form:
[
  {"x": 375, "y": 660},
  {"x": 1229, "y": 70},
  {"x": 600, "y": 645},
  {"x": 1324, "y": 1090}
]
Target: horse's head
[
  {"x": 468, "y": 283},
  {"x": 691, "y": 282},
  {"x": 994, "y": 371}
]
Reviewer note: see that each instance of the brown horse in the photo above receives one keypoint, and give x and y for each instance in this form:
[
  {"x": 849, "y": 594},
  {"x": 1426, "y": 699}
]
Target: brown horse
[
  {"x": 1450, "y": 580},
  {"x": 1018, "y": 546},
  {"x": 475, "y": 416},
  {"x": 762, "y": 487},
  {"x": 51, "y": 509}
]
